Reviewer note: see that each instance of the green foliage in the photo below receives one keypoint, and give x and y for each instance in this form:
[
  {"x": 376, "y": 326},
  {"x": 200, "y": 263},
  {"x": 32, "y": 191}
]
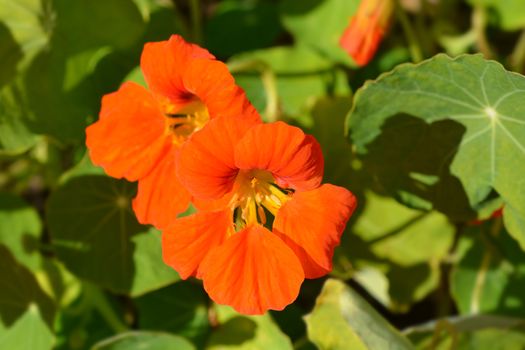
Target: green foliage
[
  {"x": 24, "y": 307},
  {"x": 246, "y": 332},
  {"x": 470, "y": 108},
  {"x": 319, "y": 24},
  {"x": 144, "y": 340},
  {"x": 341, "y": 319},
  {"x": 490, "y": 277},
  {"x": 432, "y": 150},
  {"x": 80, "y": 214}
]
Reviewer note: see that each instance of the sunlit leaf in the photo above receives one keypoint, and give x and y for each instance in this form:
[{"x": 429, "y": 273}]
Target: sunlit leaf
[
  {"x": 510, "y": 14},
  {"x": 301, "y": 75},
  {"x": 238, "y": 332},
  {"x": 341, "y": 319},
  {"x": 449, "y": 131},
  {"x": 320, "y": 24},
  {"x": 478, "y": 332},
  {"x": 144, "y": 340},
  {"x": 490, "y": 277},
  {"x": 24, "y": 308},
  {"x": 20, "y": 229}
]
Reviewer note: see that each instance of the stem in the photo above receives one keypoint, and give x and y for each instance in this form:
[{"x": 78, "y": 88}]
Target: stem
[
  {"x": 517, "y": 58},
  {"x": 101, "y": 304},
  {"x": 413, "y": 44},
  {"x": 269, "y": 81},
  {"x": 479, "y": 23},
  {"x": 196, "y": 22}
]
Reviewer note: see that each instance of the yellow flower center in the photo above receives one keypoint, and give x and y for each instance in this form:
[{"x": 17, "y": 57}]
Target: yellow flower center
[
  {"x": 257, "y": 191},
  {"x": 181, "y": 123}
]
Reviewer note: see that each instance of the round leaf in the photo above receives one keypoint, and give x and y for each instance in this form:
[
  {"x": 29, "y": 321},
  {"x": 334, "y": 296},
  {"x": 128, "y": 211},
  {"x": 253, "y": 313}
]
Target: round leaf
[
  {"x": 96, "y": 235},
  {"x": 449, "y": 130}
]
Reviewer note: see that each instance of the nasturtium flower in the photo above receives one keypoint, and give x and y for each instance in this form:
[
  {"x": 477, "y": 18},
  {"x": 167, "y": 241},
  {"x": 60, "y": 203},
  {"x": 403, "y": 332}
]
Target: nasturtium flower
[
  {"x": 366, "y": 29},
  {"x": 245, "y": 174},
  {"x": 140, "y": 131}
]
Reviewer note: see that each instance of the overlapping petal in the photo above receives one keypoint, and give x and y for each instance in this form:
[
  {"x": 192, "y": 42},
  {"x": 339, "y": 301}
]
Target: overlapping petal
[
  {"x": 294, "y": 159},
  {"x": 312, "y": 222},
  {"x": 128, "y": 140},
  {"x": 252, "y": 271},
  {"x": 213, "y": 84},
  {"x": 206, "y": 162},
  {"x": 163, "y": 64},
  {"x": 160, "y": 196},
  {"x": 190, "y": 239}
]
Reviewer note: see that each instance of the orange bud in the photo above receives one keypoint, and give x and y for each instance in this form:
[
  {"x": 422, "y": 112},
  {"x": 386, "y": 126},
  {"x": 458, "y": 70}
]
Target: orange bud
[{"x": 366, "y": 29}]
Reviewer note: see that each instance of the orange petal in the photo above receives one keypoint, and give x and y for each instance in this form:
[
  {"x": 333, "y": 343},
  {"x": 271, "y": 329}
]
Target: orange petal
[
  {"x": 206, "y": 164},
  {"x": 294, "y": 159},
  {"x": 189, "y": 239},
  {"x": 128, "y": 139},
  {"x": 252, "y": 271},
  {"x": 160, "y": 195},
  {"x": 312, "y": 222},
  {"x": 213, "y": 83},
  {"x": 163, "y": 63}
]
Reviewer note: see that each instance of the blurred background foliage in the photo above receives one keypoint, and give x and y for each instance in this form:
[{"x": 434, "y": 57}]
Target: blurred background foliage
[{"x": 422, "y": 263}]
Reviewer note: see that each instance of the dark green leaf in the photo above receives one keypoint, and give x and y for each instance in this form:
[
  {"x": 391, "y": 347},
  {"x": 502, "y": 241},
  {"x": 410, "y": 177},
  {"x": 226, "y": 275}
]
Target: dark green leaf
[
  {"x": 96, "y": 235},
  {"x": 241, "y": 26},
  {"x": 181, "y": 308}
]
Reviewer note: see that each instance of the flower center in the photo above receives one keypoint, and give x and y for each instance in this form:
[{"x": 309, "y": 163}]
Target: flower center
[
  {"x": 257, "y": 191},
  {"x": 185, "y": 121}
]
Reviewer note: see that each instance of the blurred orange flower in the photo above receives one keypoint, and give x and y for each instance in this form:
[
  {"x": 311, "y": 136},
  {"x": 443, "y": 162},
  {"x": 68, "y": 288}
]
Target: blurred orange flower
[
  {"x": 367, "y": 27},
  {"x": 140, "y": 131},
  {"x": 245, "y": 172}
]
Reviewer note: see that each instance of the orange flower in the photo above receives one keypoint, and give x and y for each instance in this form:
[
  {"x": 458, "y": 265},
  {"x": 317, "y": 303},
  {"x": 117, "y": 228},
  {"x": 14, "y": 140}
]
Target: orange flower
[
  {"x": 140, "y": 131},
  {"x": 367, "y": 27},
  {"x": 250, "y": 171}
]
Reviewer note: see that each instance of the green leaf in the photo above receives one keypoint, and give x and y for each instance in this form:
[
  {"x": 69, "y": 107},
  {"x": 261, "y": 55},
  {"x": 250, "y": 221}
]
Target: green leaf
[
  {"x": 20, "y": 229},
  {"x": 144, "y": 340},
  {"x": 24, "y": 29},
  {"x": 60, "y": 86},
  {"x": 96, "y": 235},
  {"x": 341, "y": 319},
  {"x": 320, "y": 24},
  {"x": 394, "y": 252},
  {"x": 181, "y": 308},
  {"x": 510, "y": 14},
  {"x": 301, "y": 77},
  {"x": 238, "y": 26},
  {"x": 328, "y": 114},
  {"x": 28, "y": 332},
  {"x": 479, "y": 332},
  {"x": 237, "y": 332},
  {"x": 24, "y": 307},
  {"x": 15, "y": 136},
  {"x": 490, "y": 277},
  {"x": 448, "y": 132}
]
